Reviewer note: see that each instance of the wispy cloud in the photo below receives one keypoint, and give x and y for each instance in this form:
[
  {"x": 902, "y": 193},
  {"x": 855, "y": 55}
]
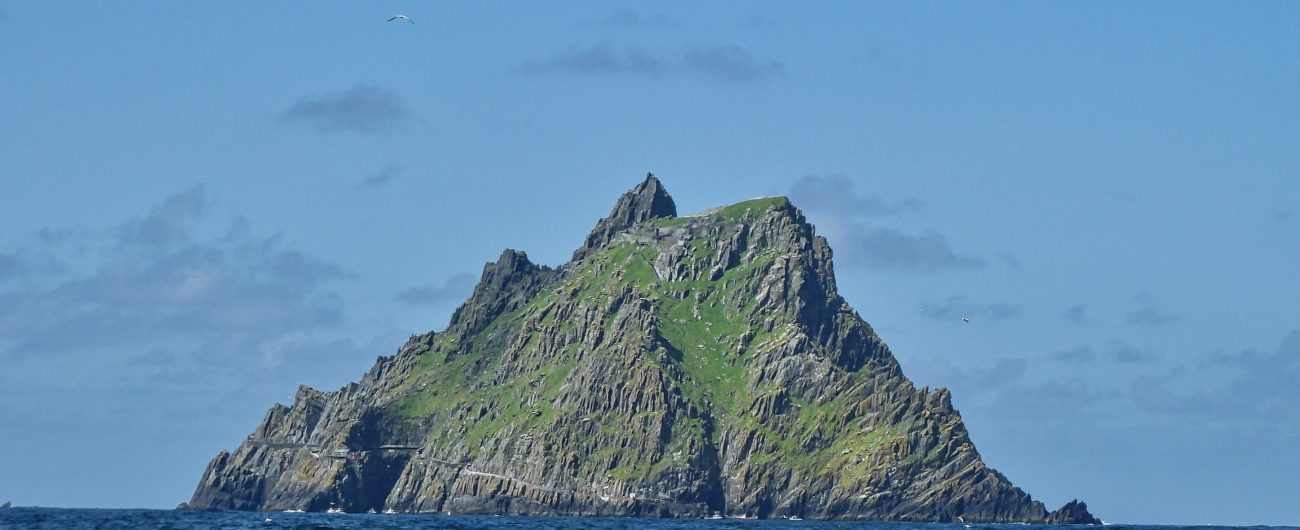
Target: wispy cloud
[
  {"x": 381, "y": 178},
  {"x": 362, "y": 108},
  {"x": 1008, "y": 259},
  {"x": 731, "y": 63},
  {"x": 1125, "y": 353},
  {"x": 153, "y": 280},
  {"x": 168, "y": 222},
  {"x": 859, "y": 229},
  {"x": 600, "y": 59},
  {"x": 1077, "y": 314},
  {"x": 1251, "y": 385},
  {"x": 889, "y": 248},
  {"x": 180, "y": 325},
  {"x": 1082, "y": 354},
  {"x": 11, "y": 266},
  {"x": 1150, "y": 316},
  {"x": 758, "y": 22},
  {"x": 1049, "y": 398},
  {"x": 1011, "y": 389},
  {"x": 1116, "y": 351},
  {"x": 719, "y": 63},
  {"x": 972, "y": 380},
  {"x": 955, "y": 307},
  {"x": 628, "y": 18},
  {"x": 454, "y": 289},
  {"x": 836, "y": 194}
]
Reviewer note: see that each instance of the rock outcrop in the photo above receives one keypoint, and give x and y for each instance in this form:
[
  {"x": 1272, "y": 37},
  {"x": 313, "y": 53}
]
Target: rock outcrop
[
  {"x": 648, "y": 200},
  {"x": 676, "y": 367}
]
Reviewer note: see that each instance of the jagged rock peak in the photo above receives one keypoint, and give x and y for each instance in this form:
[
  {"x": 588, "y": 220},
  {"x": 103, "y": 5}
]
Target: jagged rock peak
[
  {"x": 505, "y": 284},
  {"x": 505, "y": 270},
  {"x": 511, "y": 261},
  {"x": 647, "y": 200},
  {"x": 1074, "y": 512}
]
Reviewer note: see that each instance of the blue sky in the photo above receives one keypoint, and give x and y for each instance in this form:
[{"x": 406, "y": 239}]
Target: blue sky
[{"x": 206, "y": 204}]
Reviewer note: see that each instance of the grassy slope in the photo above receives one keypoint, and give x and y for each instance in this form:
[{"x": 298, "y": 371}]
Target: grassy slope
[{"x": 705, "y": 327}]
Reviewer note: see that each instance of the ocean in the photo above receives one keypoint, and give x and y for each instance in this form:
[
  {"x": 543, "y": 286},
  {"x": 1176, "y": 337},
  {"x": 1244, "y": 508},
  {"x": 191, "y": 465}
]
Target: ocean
[{"x": 92, "y": 519}]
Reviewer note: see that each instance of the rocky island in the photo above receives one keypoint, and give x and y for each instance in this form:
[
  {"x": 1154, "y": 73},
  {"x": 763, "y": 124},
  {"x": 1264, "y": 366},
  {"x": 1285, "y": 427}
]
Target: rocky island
[{"x": 677, "y": 366}]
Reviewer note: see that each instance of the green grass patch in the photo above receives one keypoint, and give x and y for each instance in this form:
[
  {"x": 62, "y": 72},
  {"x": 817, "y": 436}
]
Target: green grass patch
[{"x": 750, "y": 208}]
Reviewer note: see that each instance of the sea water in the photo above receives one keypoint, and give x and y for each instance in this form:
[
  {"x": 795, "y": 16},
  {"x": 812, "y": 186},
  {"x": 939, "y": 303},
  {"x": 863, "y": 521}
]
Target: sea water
[{"x": 63, "y": 518}]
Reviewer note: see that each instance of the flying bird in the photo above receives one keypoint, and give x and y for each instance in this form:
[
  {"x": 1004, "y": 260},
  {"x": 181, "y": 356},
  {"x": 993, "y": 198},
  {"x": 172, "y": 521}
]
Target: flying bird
[
  {"x": 402, "y": 17},
  {"x": 965, "y": 319}
]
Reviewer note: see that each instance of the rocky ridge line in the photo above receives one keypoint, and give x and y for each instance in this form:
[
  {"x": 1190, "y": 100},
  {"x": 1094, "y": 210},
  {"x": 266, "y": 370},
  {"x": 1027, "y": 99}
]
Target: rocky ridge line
[{"x": 677, "y": 367}]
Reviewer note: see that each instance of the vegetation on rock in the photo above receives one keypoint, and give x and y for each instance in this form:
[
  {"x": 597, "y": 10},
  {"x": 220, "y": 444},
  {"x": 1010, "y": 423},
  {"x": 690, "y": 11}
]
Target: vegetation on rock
[{"x": 678, "y": 366}]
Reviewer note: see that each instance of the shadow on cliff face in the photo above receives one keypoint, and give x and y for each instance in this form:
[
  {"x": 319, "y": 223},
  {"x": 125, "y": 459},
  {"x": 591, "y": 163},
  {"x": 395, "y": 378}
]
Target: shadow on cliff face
[
  {"x": 366, "y": 481},
  {"x": 370, "y": 475}
]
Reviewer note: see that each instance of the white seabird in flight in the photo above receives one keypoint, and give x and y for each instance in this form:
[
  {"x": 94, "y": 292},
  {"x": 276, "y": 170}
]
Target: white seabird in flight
[
  {"x": 965, "y": 319},
  {"x": 402, "y": 17}
]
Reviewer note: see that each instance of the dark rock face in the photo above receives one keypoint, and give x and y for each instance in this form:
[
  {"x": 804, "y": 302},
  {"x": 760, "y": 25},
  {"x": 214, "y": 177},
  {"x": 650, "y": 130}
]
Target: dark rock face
[
  {"x": 648, "y": 200},
  {"x": 1074, "y": 512},
  {"x": 677, "y": 367}
]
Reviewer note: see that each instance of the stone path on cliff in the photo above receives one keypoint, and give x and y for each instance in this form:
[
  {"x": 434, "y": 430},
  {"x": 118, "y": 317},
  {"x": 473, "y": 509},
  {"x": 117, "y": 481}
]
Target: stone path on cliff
[
  {"x": 262, "y": 442},
  {"x": 277, "y": 445}
]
